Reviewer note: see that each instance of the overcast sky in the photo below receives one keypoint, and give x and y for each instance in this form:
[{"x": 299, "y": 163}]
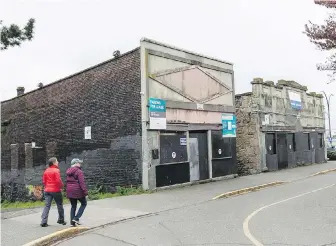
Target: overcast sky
[{"x": 263, "y": 38}]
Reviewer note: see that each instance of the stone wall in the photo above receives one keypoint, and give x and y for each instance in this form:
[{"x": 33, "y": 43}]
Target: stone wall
[
  {"x": 105, "y": 97},
  {"x": 267, "y": 109},
  {"x": 248, "y": 151}
]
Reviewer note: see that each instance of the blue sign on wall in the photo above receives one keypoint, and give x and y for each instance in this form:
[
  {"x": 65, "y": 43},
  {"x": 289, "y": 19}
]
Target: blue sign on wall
[
  {"x": 157, "y": 114},
  {"x": 229, "y": 125},
  {"x": 295, "y": 100},
  {"x": 157, "y": 105}
]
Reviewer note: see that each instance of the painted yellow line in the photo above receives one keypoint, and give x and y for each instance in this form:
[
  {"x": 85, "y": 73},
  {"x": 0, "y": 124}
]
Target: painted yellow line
[
  {"x": 247, "y": 190},
  {"x": 57, "y": 236},
  {"x": 323, "y": 172},
  {"x": 246, "y": 229}
]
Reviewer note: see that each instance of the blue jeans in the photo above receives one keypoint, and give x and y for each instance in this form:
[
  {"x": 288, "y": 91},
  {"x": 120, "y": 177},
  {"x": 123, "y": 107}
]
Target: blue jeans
[{"x": 81, "y": 209}]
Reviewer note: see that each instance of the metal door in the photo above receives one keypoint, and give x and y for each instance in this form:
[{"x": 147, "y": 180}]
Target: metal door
[
  {"x": 194, "y": 160},
  {"x": 282, "y": 151},
  {"x": 291, "y": 149},
  {"x": 314, "y": 145},
  {"x": 271, "y": 157},
  {"x": 202, "y": 141}
]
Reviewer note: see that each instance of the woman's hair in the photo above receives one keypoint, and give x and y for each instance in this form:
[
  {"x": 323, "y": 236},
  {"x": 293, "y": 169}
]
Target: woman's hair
[{"x": 52, "y": 161}]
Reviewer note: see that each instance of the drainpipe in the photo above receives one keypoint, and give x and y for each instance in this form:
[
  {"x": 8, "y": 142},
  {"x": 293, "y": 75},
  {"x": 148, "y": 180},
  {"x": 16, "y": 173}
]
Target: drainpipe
[{"x": 328, "y": 108}]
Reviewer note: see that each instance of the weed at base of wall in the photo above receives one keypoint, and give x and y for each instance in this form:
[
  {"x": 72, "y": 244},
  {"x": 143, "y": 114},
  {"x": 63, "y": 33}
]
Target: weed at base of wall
[
  {"x": 331, "y": 155},
  {"x": 94, "y": 194}
]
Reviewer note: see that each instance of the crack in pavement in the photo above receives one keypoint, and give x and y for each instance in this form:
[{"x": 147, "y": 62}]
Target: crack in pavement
[
  {"x": 115, "y": 239},
  {"x": 174, "y": 235}
]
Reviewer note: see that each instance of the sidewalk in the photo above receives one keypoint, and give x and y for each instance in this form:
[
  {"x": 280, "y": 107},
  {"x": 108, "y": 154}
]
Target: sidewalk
[{"x": 23, "y": 226}]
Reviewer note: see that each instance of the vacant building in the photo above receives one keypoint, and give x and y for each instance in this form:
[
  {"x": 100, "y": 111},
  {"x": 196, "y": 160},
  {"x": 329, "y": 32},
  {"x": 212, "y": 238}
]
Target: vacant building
[
  {"x": 152, "y": 117},
  {"x": 279, "y": 126}
]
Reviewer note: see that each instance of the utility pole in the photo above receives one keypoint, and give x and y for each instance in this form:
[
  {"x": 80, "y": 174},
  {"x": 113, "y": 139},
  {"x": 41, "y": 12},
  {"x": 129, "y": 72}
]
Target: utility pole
[{"x": 328, "y": 108}]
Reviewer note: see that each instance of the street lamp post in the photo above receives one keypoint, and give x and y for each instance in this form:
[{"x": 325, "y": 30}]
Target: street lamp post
[{"x": 328, "y": 107}]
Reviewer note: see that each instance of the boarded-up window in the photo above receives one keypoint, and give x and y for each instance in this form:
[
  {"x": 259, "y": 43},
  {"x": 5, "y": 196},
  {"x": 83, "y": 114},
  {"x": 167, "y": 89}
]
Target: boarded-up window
[
  {"x": 306, "y": 141},
  {"x": 221, "y": 147},
  {"x": 320, "y": 140},
  {"x": 291, "y": 142},
  {"x": 173, "y": 148},
  {"x": 270, "y": 143},
  {"x": 39, "y": 157}
]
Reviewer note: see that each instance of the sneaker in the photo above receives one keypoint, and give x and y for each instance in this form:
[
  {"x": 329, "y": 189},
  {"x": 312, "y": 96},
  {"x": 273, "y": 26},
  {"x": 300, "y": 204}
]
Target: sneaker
[
  {"x": 73, "y": 224},
  {"x": 76, "y": 221},
  {"x": 61, "y": 222},
  {"x": 44, "y": 225}
]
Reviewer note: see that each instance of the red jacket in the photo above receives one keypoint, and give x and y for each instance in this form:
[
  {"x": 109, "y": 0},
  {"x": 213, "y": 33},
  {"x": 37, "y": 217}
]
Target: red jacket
[{"x": 52, "y": 179}]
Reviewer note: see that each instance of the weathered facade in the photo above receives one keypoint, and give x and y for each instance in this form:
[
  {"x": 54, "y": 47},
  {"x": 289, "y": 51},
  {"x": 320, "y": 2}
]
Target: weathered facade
[
  {"x": 197, "y": 90},
  {"x": 279, "y": 126},
  {"x": 103, "y": 115}
]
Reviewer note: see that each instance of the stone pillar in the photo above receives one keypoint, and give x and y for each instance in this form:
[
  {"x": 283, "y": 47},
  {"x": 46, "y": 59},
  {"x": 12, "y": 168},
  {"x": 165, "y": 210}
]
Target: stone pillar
[
  {"x": 29, "y": 155},
  {"x": 153, "y": 143},
  {"x": 210, "y": 153},
  {"x": 14, "y": 156},
  {"x": 14, "y": 174}
]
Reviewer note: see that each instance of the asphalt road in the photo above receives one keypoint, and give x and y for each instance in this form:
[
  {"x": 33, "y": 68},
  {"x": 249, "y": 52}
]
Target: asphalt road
[{"x": 298, "y": 213}]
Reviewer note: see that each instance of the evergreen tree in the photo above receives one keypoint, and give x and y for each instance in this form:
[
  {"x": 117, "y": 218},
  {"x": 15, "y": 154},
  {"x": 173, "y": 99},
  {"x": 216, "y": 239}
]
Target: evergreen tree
[{"x": 13, "y": 35}]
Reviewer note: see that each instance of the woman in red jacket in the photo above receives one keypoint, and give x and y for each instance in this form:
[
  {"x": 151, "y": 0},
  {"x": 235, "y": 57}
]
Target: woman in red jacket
[{"x": 52, "y": 190}]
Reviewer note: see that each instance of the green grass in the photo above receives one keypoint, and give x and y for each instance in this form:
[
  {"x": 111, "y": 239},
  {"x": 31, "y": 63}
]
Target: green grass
[
  {"x": 29, "y": 204},
  {"x": 95, "y": 194}
]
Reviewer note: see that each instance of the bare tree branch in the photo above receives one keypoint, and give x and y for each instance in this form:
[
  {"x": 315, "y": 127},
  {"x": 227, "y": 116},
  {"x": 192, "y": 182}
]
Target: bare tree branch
[{"x": 324, "y": 37}]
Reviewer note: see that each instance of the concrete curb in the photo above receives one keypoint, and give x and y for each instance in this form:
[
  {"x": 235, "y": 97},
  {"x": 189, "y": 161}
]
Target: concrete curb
[
  {"x": 92, "y": 229},
  {"x": 57, "y": 236},
  {"x": 323, "y": 172},
  {"x": 247, "y": 190}
]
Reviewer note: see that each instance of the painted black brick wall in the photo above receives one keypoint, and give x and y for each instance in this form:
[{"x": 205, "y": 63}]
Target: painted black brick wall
[{"x": 105, "y": 97}]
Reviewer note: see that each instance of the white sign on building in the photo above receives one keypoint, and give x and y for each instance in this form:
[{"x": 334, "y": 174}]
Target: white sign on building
[
  {"x": 87, "y": 132},
  {"x": 295, "y": 100}
]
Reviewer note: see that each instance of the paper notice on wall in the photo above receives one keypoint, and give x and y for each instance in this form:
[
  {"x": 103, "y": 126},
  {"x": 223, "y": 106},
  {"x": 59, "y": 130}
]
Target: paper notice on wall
[
  {"x": 229, "y": 125},
  {"x": 87, "y": 132},
  {"x": 183, "y": 141},
  {"x": 200, "y": 106}
]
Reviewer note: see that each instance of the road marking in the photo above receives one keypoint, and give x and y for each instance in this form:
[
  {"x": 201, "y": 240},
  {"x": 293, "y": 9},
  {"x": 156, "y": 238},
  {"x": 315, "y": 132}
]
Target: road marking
[
  {"x": 323, "y": 172},
  {"x": 247, "y": 232}
]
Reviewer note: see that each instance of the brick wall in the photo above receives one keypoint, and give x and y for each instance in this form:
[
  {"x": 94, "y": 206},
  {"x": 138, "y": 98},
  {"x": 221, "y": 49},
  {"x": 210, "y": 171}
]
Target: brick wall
[
  {"x": 247, "y": 140},
  {"x": 105, "y": 97}
]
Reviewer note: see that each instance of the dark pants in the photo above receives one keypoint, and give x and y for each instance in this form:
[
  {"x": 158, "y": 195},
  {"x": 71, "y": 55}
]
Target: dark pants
[
  {"x": 49, "y": 196},
  {"x": 81, "y": 209}
]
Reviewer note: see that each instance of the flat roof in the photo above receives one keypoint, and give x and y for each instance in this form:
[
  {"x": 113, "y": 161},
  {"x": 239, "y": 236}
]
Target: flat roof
[{"x": 144, "y": 39}]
